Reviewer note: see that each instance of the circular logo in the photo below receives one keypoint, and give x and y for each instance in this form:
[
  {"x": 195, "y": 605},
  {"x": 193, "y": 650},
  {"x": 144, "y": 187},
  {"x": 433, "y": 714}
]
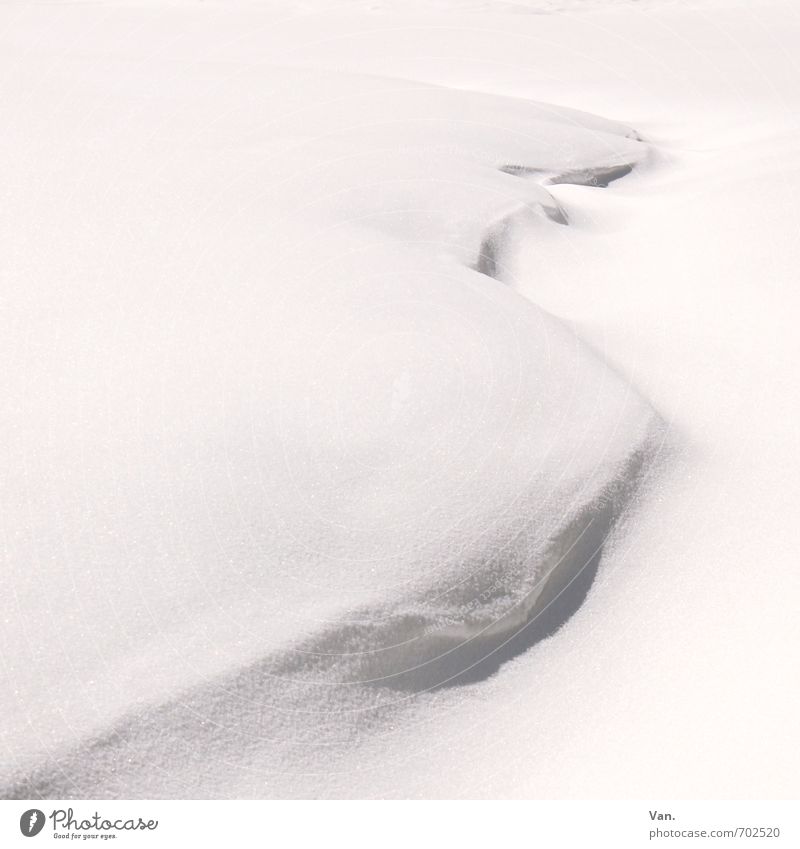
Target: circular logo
[{"x": 31, "y": 822}]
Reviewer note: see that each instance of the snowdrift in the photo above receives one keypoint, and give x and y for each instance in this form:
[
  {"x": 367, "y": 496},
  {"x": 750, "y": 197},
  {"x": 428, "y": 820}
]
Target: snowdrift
[
  {"x": 331, "y": 460},
  {"x": 314, "y": 455}
]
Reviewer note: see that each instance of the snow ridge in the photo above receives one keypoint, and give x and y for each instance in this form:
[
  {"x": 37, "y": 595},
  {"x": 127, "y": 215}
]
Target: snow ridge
[{"x": 384, "y": 656}]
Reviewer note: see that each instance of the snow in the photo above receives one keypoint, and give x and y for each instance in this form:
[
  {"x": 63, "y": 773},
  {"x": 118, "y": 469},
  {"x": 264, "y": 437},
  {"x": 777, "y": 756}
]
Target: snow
[{"x": 336, "y": 384}]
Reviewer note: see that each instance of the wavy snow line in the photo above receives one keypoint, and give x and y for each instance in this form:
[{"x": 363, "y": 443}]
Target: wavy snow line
[{"x": 418, "y": 652}]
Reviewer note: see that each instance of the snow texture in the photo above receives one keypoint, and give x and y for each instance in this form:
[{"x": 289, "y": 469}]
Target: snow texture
[{"x": 374, "y": 426}]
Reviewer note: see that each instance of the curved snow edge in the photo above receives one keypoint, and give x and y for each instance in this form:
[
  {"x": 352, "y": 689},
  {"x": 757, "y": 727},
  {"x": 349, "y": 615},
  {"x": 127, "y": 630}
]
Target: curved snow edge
[{"x": 417, "y": 651}]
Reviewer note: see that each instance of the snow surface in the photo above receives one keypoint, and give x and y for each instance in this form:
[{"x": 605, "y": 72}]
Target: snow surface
[{"x": 358, "y": 442}]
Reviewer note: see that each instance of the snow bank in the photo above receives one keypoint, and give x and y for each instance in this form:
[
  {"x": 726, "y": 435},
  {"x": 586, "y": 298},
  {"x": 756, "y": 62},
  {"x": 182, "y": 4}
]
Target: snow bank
[
  {"x": 302, "y": 467},
  {"x": 286, "y": 438}
]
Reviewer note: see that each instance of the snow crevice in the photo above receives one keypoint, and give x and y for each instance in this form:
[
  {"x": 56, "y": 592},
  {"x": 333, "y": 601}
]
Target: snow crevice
[{"x": 500, "y": 236}]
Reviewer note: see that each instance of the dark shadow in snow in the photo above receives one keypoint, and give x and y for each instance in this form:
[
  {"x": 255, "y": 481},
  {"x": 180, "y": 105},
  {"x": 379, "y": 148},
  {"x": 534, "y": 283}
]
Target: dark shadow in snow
[
  {"x": 477, "y": 652},
  {"x": 561, "y": 599},
  {"x": 415, "y": 654},
  {"x": 599, "y": 177},
  {"x": 499, "y": 237}
]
